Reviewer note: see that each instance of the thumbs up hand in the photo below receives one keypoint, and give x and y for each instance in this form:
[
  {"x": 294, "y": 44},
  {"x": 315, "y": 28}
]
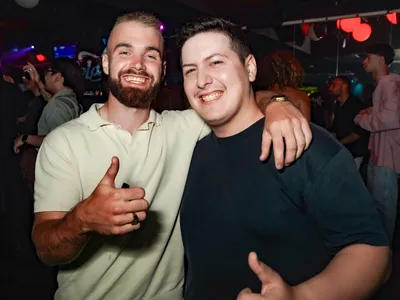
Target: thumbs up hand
[
  {"x": 273, "y": 287},
  {"x": 110, "y": 210}
]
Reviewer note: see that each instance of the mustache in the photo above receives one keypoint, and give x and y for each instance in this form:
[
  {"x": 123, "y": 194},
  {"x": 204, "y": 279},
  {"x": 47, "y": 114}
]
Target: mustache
[{"x": 133, "y": 72}]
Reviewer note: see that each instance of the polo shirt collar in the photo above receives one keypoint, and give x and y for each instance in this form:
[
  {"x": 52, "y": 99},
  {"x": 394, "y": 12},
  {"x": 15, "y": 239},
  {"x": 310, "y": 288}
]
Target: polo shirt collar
[{"x": 92, "y": 119}]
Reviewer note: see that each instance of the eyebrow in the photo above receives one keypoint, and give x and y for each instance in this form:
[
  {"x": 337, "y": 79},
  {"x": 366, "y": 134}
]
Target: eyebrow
[
  {"x": 148, "y": 48},
  {"x": 207, "y": 58}
]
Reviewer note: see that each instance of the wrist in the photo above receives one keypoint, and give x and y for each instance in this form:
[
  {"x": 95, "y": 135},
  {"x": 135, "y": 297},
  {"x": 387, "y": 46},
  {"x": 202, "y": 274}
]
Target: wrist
[{"x": 77, "y": 219}]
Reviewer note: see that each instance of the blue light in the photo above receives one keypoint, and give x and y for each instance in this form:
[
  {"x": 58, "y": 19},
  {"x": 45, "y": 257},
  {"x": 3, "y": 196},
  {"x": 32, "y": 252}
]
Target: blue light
[
  {"x": 15, "y": 50},
  {"x": 358, "y": 90}
]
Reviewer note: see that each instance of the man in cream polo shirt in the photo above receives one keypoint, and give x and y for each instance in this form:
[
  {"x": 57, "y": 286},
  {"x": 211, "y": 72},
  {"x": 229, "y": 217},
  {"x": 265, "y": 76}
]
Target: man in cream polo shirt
[{"x": 84, "y": 221}]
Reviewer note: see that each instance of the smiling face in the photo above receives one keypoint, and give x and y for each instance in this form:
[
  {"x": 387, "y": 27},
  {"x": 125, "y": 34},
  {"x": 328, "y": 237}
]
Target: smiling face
[
  {"x": 134, "y": 63},
  {"x": 216, "y": 81}
]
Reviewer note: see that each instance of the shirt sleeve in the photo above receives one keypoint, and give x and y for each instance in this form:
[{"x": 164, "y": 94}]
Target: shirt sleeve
[
  {"x": 386, "y": 116},
  {"x": 341, "y": 206},
  {"x": 57, "y": 183},
  {"x": 188, "y": 120}
]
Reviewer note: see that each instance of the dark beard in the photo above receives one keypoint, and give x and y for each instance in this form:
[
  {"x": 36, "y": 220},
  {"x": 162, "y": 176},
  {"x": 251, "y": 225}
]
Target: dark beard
[{"x": 132, "y": 97}]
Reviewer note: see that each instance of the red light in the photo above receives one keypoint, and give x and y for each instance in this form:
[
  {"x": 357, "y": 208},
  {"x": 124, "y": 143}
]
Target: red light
[
  {"x": 348, "y": 25},
  {"x": 304, "y": 28},
  {"x": 362, "y": 32},
  {"x": 40, "y": 57},
  {"x": 392, "y": 18}
]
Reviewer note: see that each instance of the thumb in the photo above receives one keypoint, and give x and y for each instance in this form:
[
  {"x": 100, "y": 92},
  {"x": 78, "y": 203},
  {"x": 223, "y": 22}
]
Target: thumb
[
  {"x": 263, "y": 272},
  {"x": 112, "y": 171}
]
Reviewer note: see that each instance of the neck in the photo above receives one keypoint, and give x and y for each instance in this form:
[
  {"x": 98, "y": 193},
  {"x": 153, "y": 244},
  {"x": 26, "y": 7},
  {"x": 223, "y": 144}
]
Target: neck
[
  {"x": 378, "y": 74},
  {"x": 343, "y": 98},
  {"x": 248, "y": 114},
  {"x": 58, "y": 89},
  {"x": 128, "y": 118}
]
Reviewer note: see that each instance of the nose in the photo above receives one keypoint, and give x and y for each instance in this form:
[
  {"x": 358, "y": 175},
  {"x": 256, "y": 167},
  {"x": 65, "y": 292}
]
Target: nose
[
  {"x": 203, "y": 78},
  {"x": 138, "y": 63}
]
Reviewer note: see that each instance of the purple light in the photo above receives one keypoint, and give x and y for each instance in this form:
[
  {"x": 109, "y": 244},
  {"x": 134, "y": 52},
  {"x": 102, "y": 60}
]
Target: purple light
[{"x": 161, "y": 27}]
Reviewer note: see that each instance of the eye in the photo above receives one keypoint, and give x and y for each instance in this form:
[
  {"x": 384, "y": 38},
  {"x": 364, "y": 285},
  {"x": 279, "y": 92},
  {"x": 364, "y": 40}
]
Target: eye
[
  {"x": 217, "y": 62},
  {"x": 189, "y": 71},
  {"x": 124, "y": 52}
]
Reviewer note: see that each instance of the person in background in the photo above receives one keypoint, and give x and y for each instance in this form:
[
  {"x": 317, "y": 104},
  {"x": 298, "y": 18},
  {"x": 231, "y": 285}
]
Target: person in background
[
  {"x": 347, "y": 106},
  {"x": 314, "y": 223},
  {"x": 63, "y": 79},
  {"x": 382, "y": 120},
  {"x": 282, "y": 73}
]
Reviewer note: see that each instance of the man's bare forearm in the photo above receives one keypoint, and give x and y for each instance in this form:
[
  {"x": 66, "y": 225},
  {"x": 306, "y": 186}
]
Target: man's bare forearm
[
  {"x": 354, "y": 274},
  {"x": 59, "y": 241}
]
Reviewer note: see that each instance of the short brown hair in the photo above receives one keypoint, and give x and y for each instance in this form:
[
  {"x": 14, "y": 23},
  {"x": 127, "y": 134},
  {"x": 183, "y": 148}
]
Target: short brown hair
[
  {"x": 145, "y": 18},
  {"x": 281, "y": 68}
]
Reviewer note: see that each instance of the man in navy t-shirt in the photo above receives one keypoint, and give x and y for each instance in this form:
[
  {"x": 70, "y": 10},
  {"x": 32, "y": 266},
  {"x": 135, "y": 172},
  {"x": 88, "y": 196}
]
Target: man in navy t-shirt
[{"x": 314, "y": 225}]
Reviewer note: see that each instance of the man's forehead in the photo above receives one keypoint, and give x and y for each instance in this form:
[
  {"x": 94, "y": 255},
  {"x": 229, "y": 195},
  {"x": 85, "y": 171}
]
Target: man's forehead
[
  {"x": 133, "y": 32},
  {"x": 203, "y": 45}
]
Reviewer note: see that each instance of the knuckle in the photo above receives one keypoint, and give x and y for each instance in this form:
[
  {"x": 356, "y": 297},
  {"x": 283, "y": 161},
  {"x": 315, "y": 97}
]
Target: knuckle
[{"x": 116, "y": 230}]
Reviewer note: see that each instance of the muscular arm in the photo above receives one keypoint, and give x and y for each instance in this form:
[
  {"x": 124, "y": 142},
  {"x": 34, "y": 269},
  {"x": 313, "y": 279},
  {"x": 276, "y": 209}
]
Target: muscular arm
[
  {"x": 58, "y": 237},
  {"x": 354, "y": 273}
]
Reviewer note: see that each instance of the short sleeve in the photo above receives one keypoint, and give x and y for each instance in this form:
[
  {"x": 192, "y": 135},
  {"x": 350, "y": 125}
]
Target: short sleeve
[
  {"x": 57, "y": 183},
  {"x": 188, "y": 120},
  {"x": 341, "y": 206}
]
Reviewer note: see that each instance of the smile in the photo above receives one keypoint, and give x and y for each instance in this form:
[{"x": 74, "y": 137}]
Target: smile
[
  {"x": 135, "y": 79},
  {"x": 211, "y": 96}
]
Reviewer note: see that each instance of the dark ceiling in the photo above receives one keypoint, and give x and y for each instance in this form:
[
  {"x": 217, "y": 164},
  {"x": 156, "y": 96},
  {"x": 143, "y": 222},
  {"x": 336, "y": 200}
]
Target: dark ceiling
[{"x": 88, "y": 21}]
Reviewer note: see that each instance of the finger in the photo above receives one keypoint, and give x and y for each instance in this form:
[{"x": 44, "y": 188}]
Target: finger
[
  {"x": 290, "y": 144},
  {"x": 124, "y": 207},
  {"x": 111, "y": 173},
  {"x": 124, "y": 229},
  {"x": 278, "y": 148},
  {"x": 300, "y": 139},
  {"x": 265, "y": 145},
  {"x": 132, "y": 193},
  {"x": 246, "y": 294},
  {"x": 263, "y": 272},
  {"x": 128, "y": 218},
  {"x": 305, "y": 126}
]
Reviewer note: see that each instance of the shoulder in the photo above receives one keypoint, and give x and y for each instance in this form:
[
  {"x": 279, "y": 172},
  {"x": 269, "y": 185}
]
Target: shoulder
[
  {"x": 324, "y": 147},
  {"x": 184, "y": 120},
  {"x": 65, "y": 133}
]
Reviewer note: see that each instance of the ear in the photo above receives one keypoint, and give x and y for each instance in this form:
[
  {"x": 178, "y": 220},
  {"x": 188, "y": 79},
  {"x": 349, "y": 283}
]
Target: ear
[
  {"x": 59, "y": 77},
  {"x": 105, "y": 64},
  {"x": 251, "y": 66},
  {"x": 164, "y": 69},
  {"x": 382, "y": 60}
]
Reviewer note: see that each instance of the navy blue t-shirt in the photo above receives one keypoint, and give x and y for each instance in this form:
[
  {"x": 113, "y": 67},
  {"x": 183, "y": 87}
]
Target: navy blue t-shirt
[{"x": 296, "y": 220}]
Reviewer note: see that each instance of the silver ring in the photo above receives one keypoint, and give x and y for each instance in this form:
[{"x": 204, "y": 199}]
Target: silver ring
[{"x": 135, "y": 219}]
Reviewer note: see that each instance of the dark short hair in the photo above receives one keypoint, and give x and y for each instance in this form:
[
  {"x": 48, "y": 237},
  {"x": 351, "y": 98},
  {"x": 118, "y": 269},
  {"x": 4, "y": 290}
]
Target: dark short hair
[
  {"x": 345, "y": 80},
  {"x": 384, "y": 50},
  {"x": 235, "y": 34},
  {"x": 71, "y": 72}
]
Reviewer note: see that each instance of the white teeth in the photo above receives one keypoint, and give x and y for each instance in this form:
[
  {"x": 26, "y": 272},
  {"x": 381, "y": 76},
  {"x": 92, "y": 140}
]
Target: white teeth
[
  {"x": 135, "y": 79},
  {"x": 211, "y": 96}
]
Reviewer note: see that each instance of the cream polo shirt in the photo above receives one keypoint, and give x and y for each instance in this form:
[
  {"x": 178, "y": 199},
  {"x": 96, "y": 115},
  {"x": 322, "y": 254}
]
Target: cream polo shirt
[{"x": 148, "y": 263}]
